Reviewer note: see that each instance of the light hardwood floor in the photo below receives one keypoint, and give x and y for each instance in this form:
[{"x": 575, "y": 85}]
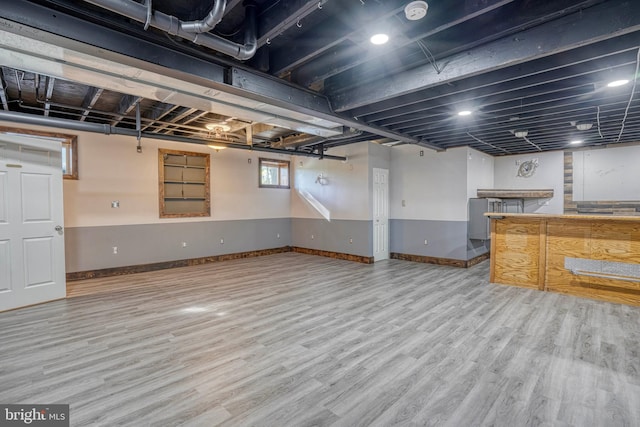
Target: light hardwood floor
[{"x": 301, "y": 340}]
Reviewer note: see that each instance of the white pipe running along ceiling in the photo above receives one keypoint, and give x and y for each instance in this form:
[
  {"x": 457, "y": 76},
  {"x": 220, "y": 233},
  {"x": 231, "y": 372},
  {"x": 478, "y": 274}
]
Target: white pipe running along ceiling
[{"x": 30, "y": 49}]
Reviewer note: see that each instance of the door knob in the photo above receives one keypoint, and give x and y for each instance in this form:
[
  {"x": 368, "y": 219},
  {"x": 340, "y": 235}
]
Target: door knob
[{"x": 59, "y": 229}]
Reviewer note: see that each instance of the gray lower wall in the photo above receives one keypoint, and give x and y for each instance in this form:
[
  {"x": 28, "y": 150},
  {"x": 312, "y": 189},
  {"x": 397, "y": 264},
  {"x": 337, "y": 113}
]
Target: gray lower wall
[
  {"x": 445, "y": 239},
  {"x": 91, "y": 248},
  {"x": 333, "y": 235}
]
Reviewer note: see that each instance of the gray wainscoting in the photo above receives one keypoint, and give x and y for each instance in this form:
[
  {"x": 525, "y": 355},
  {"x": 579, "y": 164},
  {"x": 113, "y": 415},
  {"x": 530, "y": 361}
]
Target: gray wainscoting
[
  {"x": 91, "y": 248},
  {"x": 334, "y": 235},
  {"x": 445, "y": 239}
]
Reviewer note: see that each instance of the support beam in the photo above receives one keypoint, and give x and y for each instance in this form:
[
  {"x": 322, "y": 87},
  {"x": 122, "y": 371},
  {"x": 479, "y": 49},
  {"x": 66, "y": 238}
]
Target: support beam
[
  {"x": 90, "y": 99},
  {"x": 601, "y": 22}
]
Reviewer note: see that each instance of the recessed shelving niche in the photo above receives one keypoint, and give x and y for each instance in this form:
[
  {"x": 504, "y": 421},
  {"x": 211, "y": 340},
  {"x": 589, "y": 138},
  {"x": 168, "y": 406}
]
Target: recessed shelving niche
[{"x": 183, "y": 184}]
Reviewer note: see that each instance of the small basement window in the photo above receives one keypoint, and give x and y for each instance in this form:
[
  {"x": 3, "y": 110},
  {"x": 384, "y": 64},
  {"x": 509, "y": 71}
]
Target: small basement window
[{"x": 274, "y": 173}]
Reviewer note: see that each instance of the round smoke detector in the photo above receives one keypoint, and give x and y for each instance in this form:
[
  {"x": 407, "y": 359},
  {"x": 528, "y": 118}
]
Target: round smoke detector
[{"x": 416, "y": 10}]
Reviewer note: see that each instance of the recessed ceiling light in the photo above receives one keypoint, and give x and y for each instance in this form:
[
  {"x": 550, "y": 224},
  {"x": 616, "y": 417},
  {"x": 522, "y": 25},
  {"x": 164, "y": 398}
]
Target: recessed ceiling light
[
  {"x": 584, "y": 125},
  {"x": 575, "y": 142},
  {"x": 379, "y": 38},
  {"x": 521, "y": 133},
  {"x": 617, "y": 83},
  {"x": 464, "y": 113}
]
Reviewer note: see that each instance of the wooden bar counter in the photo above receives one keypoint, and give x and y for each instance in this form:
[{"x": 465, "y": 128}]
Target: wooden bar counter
[{"x": 593, "y": 256}]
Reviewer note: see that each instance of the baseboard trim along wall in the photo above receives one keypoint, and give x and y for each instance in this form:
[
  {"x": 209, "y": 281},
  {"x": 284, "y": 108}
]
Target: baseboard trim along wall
[
  {"x": 440, "y": 261},
  {"x": 132, "y": 269},
  {"x": 141, "y": 268},
  {"x": 335, "y": 255}
]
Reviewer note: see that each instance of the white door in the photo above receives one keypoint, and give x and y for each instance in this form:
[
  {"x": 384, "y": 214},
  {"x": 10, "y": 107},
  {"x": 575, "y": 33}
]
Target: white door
[
  {"x": 31, "y": 220},
  {"x": 380, "y": 214}
]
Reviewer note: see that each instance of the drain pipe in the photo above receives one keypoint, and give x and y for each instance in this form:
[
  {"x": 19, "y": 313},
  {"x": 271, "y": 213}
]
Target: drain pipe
[
  {"x": 172, "y": 25},
  {"x": 208, "y": 23},
  {"x": 106, "y": 129}
]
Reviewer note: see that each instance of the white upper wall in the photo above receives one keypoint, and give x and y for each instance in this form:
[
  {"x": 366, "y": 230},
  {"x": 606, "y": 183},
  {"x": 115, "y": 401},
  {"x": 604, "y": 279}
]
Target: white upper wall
[
  {"x": 341, "y": 188},
  {"x": 111, "y": 169},
  {"x": 479, "y": 172},
  {"x": 428, "y": 187},
  {"x": 548, "y": 175},
  {"x": 606, "y": 174}
]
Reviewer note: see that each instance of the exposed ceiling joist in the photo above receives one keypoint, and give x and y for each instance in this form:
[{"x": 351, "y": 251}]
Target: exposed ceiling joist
[
  {"x": 281, "y": 18},
  {"x": 50, "y": 83},
  {"x": 127, "y": 104},
  {"x": 3, "y": 93},
  {"x": 158, "y": 113},
  {"x": 90, "y": 99},
  {"x": 354, "y": 55},
  {"x": 597, "y": 23},
  {"x": 183, "y": 112},
  {"x": 334, "y": 31}
]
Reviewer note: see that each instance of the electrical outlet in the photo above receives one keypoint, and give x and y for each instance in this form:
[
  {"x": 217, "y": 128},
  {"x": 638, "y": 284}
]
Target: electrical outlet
[
  {"x": 115, "y": 204},
  {"x": 350, "y": 240},
  {"x": 222, "y": 241},
  {"x": 278, "y": 236},
  {"x": 426, "y": 242},
  {"x": 404, "y": 203},
  {"x": 184, "y": 244},
  {"x": 115, "y": 250},
  {"x": 312, "y": 237}
]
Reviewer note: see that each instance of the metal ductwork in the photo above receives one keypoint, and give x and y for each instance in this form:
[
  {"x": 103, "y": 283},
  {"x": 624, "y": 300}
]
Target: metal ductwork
[
  {"x": 176, "y": 27},
  {"x": 208, "y": 23},
  {"x": 105, "y": 129}
]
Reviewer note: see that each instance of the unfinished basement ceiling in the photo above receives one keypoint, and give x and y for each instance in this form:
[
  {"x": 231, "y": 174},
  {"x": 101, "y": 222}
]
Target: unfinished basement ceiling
[{"x": 534, "y": 74}]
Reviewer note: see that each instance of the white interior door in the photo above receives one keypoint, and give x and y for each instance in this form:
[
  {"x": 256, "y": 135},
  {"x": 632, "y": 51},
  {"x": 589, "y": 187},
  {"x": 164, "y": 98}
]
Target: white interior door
[
  {"x": 31, "y": 219},
  {"x": 380, "y": 214}
]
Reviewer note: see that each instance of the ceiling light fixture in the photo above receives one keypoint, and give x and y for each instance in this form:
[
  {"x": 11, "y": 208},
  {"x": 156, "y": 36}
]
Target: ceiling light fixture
[
  {"x": 379, "y": 39},
  {"x": 464, "y": 113},
  {"x": 575, "y": 142},
  {"x": 416, "y": 10},
  {"x": 218, "y": 127},
  {"x": 617, "y": 83},
  {"x": 521, "y": 133},
  {"x": 216, "y": 146},
  {"x": 584, "y": 125}
]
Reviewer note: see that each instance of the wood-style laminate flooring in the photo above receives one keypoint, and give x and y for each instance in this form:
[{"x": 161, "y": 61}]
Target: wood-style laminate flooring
[{"x": 301, "y": 340}]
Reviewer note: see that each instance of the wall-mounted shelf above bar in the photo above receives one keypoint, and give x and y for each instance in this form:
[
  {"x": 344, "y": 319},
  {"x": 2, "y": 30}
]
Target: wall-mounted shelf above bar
[{"x": 515, "y": 194}]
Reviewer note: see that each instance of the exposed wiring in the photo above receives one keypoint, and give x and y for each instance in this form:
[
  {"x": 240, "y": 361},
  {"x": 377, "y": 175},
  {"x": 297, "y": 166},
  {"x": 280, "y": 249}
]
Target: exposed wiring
[
  {"x": 633, "y": 91},
  {"x": 598, "y": 118},
  {"x": 486, "y": 143}
]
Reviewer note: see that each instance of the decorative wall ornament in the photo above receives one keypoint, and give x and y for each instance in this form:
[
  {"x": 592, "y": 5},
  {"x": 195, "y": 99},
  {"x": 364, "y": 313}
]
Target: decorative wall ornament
[{"x": 527, "y": 168}]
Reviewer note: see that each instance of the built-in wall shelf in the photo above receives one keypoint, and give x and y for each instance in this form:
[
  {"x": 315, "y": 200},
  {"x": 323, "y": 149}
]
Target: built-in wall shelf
[
  {"x": 183, "y": 184},
  {"x": 515, "y": 194}
]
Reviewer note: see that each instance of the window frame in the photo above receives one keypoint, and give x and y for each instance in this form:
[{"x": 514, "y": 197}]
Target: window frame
[
  {"x": 67, "y": 140},
  {"x": 281, "y": 163}
]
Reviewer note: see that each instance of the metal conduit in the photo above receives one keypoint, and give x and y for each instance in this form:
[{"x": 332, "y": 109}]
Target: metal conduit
[
  {"x": 106, "y": 129},
  {"x": 174, "y": 26}
]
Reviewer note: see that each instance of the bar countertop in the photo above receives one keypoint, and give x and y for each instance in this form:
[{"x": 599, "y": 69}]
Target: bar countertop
[{"x": 498, "y": 215}]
